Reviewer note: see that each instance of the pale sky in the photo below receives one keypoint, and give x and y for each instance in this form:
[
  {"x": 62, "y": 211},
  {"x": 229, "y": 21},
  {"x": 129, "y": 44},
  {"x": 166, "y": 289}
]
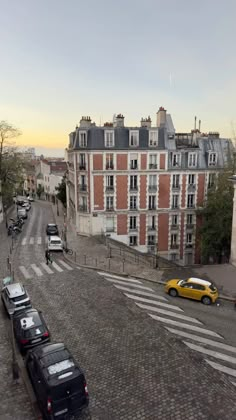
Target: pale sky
[{"x": 61, "y": 59}]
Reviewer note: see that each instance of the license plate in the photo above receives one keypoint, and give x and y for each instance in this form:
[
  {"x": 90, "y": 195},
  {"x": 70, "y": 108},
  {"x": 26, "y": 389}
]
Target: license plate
[
  {"x": 36, "y": 341},
  {"x": 58, "y": 413}
]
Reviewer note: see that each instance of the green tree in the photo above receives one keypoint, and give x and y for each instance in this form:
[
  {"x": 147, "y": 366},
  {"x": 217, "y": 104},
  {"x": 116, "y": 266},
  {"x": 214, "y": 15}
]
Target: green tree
[
  {"x": 61, "y": 194},
  {"x": 40, "y": 190},
  {"x": 215, "y": 219}
]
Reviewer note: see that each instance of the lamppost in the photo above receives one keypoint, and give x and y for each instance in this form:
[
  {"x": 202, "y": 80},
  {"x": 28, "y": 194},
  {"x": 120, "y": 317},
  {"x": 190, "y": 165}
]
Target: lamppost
[
  {"x": 5, "y": 211},
  {"x": 57, "y": 208}
]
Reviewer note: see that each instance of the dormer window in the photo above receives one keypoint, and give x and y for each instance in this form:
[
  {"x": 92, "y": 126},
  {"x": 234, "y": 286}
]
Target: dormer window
[
  {"x": 212, "y": 159},
  {"x": 134, "y": 138},
  {"x": 153, "y": 138},
  {"x": 176, "y": 157},
  {"x": 192, "y": 160},
  {"x": 109, "y": 138},
  {"x": 83, "y": 139}
]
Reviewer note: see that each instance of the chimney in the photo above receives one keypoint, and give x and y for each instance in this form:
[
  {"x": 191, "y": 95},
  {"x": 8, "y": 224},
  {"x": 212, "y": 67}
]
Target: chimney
[
  {"x": 119, "y": 120},
  {"x": 85, "y": 122},
  {"x": 199, "y": 126},
  {"x": 146, "y": 122},
  {"x": 161, "y": 117},
  {"x": 195, "y": 123}
]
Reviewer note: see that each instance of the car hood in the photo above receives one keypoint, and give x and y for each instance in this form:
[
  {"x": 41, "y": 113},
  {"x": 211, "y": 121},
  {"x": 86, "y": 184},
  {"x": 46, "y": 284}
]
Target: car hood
[{"x": 172, "y": 282}]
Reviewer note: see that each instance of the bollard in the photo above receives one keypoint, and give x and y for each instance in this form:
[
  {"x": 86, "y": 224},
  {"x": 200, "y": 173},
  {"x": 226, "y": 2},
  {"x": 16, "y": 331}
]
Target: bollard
[
  {"x": 109, "y": 263},
  {"x": 84, "y": 259},
  {"x": 96, "y": 262},
  {"x": 123, "y": 265},
  {"x": 75, "y": 256},
  {"x": 8, "y": 261}
]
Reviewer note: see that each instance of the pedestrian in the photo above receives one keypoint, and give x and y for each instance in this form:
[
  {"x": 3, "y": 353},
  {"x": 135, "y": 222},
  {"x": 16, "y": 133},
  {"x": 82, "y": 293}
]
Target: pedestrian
[{"x": 48, "y": 256}]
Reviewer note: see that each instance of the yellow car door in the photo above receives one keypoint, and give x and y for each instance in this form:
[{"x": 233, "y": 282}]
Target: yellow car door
[{"x": 186, "y": 290}]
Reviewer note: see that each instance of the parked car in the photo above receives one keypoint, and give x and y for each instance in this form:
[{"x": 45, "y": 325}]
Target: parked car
[
  {"x": 52, "y": 229},
  {"x": 55, "y": 243},
  {"x": 193, "y": 288},
  {"x": 15, "y": 298},
  {"x": 31, "y": 199},
  {"x": 26, "y": 206},
  {"x": 21, "y": 212},
  {"x": 30, "y": 329},
  {"x": 58, "y": 381}
]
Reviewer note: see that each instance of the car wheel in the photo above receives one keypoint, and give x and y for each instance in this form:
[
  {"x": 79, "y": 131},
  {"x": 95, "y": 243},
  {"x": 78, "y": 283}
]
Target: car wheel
[
  {"x": 173, "y": 292},
  {"x": 206, "y": 300}
]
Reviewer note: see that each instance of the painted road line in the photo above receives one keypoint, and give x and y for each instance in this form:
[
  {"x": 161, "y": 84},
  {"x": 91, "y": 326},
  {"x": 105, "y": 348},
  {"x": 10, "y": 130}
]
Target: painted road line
[
  {"x": 155, "y": 302},
  {"x": 139, "y": 292},
  {"x": 203, "y": 340},
  {"x": 185, "y": 326},
  {"x": 78, "y": 268},
  {"x": 36, "y": 270},
  {"x": 57, "y": 267},
  {"x": 31, "y": 240},
  {"x": 23, "y": 242},
  {"x": 25, "y": 272},
  {"x": 46, "y": 268},
  {"x": 39, "y": 240},
  {"x": 170, "y": 313},
  {"x": 112, "y": 276},
  {"x": 222, "y": 368},
  {"x": 128, "y": 284},
  {"x": 65, "y": 265},
  {"x": 234, "y": 383},
  {"x": 212, "y": 353}
]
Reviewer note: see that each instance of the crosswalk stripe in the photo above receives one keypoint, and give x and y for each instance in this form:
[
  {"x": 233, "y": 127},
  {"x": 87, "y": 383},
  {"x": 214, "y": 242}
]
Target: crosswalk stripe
[
  {"x": 39, "y": 240},
  {"x": 185, "y": 326},
  {"x": 23, "y": 242},
  {"x": 24, "y": 272},
  {"x": 212, "y": 353},
  {"x": 139, "y": 292},
  {"x": 128, "y": 284},
  {"x": 31, "y": 240},
  {"x": 234, "y": 383},
  {"x": 203, "y": 340},
  {"x": 57, "y": 267},
  {"x": 65, "y": 265},
  {"x": 36, "y": 270},
  {"x": 222, "y": 368},
  {"x": 170, "y": 313},
  {"x": 155, "y": 302},
  {"x": 46, "y": 268},
  {"x": 113, "y": 276}
]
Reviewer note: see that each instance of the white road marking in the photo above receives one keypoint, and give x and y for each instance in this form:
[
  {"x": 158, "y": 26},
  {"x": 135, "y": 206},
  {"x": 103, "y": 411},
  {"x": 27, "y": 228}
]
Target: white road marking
[
  {"x": 113, "y": 276},
  {"x": 222, "y": 368},
  {"x": 39, "y": 240},
  {"x": 23, "y": 242},
  {"x": 78, "y": 268},
  {"x": 36, "y": 270},
  {"x": 25, "y": 272},
  {"x": 46, "y": 268},
  {"x": 139, "y": 292},
  {"x": 31, "y": 240},
  {"x": 155, "y": 302},
  {"x": 57, "y": 267},
  {"x": 185, "y": 326},
  {"x": 65, "y": 265},
  {"x": 170, "y": 313},
  {"x": 203, "y": 340},
  {"x": 128, "y": 284},
  {"x": 212, "y": 353},
  {"x": 234, "y": 383}
]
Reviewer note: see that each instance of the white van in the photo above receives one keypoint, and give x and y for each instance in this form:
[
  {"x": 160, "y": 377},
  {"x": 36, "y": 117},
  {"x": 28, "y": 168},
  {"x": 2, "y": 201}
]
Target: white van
[{"x": 55, "y": 243}]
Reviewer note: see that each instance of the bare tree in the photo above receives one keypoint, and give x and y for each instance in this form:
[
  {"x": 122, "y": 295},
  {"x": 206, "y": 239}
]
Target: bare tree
[{"x": 7, "y": 133}]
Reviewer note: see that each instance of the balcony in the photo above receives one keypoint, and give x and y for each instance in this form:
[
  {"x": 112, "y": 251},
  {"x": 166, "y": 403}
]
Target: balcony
[
  {"x": 152, "y": 188},
  {"x": 109, "y": 166},
  {"x": 82, "y": 167},
  {"x": 83, "y": 208},
  {"x": 83, "y": 187},
  {"x": 152, "y": 207},
  {"x": 191, "y": 206},
  {"x": 134, "y": 166},
  {"x": 189, "y": 246},
  {"x": 109, "y": 188},
  {"x": 175, "y": 206},
  {"x": 152, "y": 165},
  {"x": 189, "y": 226},
  {"x": 174, "y": 246},
  {"x": 133, "y": 208},
  {"x": 133, "y": 229},
  {"x": 191, "y": 187},
  {"x": 151, "y": 228},
  {"x": 133, "y": 188},
  {"x": 110, "y": 229},
  {"x": 174, "y": 227},
  {"x": 176, "y": 187},
  {"x": 109, "y": 208}
]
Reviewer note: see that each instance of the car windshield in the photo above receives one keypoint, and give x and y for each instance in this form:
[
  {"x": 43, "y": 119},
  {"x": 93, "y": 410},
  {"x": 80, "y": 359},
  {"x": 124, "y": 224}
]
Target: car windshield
[
  {"x": 56, "y": 242},
  {"x": 180, "y": 282},
  {"x": 18, "y": 298}
]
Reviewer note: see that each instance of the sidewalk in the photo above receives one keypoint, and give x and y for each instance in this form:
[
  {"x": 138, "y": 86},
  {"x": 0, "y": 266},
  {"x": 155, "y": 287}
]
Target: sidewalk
[{"x": 92, "y": 252}]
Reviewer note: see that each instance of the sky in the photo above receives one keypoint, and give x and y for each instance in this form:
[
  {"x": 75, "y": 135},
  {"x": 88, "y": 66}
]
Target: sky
[{"x": 61, "y": 59}]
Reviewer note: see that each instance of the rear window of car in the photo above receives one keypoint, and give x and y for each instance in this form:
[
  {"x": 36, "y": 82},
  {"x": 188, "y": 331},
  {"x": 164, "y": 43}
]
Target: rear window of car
[
  {"x": 56, "y": 242},
  {"x": 60, "y": 366},
  {"x": 32, "y": 325},
  {"x": 19, "y": 298},
  {"x": 212, "y": 287}
]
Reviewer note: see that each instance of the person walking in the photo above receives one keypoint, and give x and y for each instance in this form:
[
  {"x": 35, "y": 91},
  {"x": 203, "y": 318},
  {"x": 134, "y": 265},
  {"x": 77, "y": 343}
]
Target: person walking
[{"x": 48, "y": 256}]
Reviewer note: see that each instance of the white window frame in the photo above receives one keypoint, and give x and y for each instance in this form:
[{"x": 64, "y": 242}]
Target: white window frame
[
  {"x": 192, "y": 160},
  {"x": 133, "y": 199},
  {"x": 133, "y": 223},
  {"x": 176, "y": 160},
  {"x": 153, "y": 161},
  {"x": 191, "y": 201},
  {"x": 175, "y": 201},
  {"x": 175, "y": 219},
  {"x": 131, "y": 240},
  {"x": 189, "y": 239},
  {"x": 109, "y": 202},
  {"x": 134, "y": 138},
  {"x": 153, "y": 138},
  {"x": 189, "y": 218},
  {"x": 212, "y": 159},
  {"x": 174, "y": 239},
  {"x": 191, "y": 179},
  {"x": 175, "y": 184},
  {"x": 83, "y": 138},
  {"x": 109, "y": 138}
]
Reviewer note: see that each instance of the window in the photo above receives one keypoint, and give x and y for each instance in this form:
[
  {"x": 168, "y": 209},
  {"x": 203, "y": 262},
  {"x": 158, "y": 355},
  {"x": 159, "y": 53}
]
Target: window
[
  {"x": 82, "y": 164},
  {"x": 191, "y": 179},
  {"x": 109, "y": 138},
  {"x": 211, "y": 180},
  {"x": 110, "y": 224},
  {"x": 173, "y": 240},
  {"x": 83, "y": 186},
  {"x": 152, "y": 161},
  {"x": 151, "y": 223},
  {"x": 133, "y": 223},
  {"x": 191, "y": 201},
  {"x": 192, "y": 160},
  {"x": 189, "y": 239},
  {"x": 109, "y": 183},
  {"x": 174, "y": 220},
  {"x": 189, "y": 219},
  {"x": 176, "y": 159},
  {"x": 175, "y": 201},
  {"x": 109, "y": 161},
  {"x": 133, "y": 138},
  {"x": 151, "y": 240},
  {"x": 175, "y": 181},
  {"x": 133, "y": 202},
  {"x": 133, "y": 240},
  {"x": 83, "y": 139},
  {"x": 212, "y": 158},
  {"x": 134, "y": 161},
  {"x": 152, "y": 202},
  {"x": 153, "y": 138},
  {"x": 83, "y": 203},
  {"x": 110, "y": 203},
  {"x": 152, "y": 182},
  {"x": 133, "y": 182}
]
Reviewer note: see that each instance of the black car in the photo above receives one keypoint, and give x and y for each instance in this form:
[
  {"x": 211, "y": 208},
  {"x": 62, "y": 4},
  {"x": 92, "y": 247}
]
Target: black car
[
  {"x": 58, "y": 381},
  {"x": 30, "y": 329},
  {"x": 52, "y": 229}
]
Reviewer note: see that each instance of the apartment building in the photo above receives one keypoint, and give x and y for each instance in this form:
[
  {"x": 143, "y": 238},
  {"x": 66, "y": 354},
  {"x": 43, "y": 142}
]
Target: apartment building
[
  {"x": 142, "y": 185},
  {"x": 49, "y": 174}
]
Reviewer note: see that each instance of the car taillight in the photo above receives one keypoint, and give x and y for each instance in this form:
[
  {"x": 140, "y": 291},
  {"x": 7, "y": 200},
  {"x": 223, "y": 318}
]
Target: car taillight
[
  {"x": 86, "y": 389},
  {"x": 49, "y": 405},
  {"x": 24, "y": 341},
  {"x": 46, "y": 334}
]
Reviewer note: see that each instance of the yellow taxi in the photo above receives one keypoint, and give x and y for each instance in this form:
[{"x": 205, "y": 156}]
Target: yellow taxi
[{"x": 193, "y": 288}]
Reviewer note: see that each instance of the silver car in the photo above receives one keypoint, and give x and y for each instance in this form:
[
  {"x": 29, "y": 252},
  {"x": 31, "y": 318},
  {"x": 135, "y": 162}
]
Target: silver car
[{"x": 15, "y": 298}]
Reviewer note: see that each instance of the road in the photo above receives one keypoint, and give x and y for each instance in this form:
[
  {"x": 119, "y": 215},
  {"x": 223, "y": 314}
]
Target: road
[{"x": 128, "y": 336}]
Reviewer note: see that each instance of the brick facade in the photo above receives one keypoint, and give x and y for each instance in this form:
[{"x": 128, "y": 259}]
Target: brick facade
[
  {"x": 98, "y": 162},
  {"x": 122, "y": 192},
  {"x": 98, "y": 192},
  {"x": 164, "y": 191},
  {"x": 121, "y": 162},
  {"x": 142, "y": 196},
  {"x": 122, "y": 224},
  {"x": 163, "y": 224},
  {"x": 142, "y": 229}
]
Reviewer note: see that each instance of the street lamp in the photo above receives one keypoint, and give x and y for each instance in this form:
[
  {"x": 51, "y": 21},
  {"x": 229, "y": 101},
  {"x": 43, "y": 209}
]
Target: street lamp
[{"x": 57, "y": 208}]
